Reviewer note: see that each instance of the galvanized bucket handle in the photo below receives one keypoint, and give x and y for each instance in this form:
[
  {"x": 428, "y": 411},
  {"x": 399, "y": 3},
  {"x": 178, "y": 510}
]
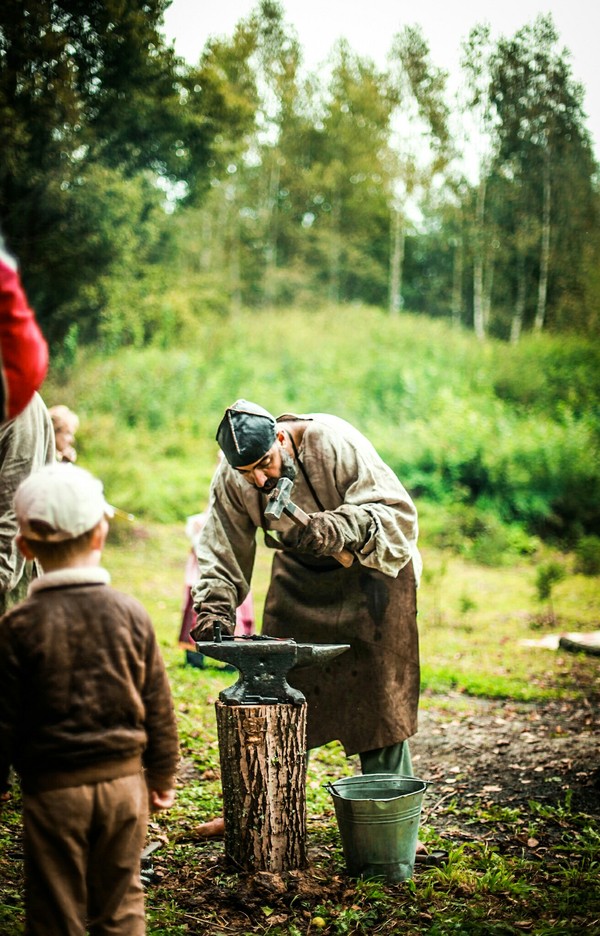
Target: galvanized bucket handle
[{"x": 329, "y": 786}]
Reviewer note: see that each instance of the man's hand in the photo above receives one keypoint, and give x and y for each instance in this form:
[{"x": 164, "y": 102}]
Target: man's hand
[
  {"x": 322, "y": 536},
  {"x": 205, "y": 622}
]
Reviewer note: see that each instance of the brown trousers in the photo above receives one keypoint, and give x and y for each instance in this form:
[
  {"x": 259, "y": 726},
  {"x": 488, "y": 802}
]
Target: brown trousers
[{"x": 82, "y": 859}]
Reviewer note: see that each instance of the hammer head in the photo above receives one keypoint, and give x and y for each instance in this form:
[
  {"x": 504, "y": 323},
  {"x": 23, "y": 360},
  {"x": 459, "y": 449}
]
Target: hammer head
[{"x": 279, "y": 498}]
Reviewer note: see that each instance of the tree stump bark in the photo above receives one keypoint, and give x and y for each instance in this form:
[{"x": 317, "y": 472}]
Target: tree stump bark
[{"x": 262, "y": 749}]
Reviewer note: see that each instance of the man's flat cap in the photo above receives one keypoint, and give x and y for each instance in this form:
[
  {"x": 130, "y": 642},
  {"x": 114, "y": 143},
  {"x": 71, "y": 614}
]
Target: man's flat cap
[{"x": 246, "y": 433}]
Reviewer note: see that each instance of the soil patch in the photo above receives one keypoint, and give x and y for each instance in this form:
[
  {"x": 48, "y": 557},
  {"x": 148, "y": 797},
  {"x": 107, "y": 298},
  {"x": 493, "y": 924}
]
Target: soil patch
[
  {"x": 506, "y": 755},
  {"x": 485, "y": 761}
]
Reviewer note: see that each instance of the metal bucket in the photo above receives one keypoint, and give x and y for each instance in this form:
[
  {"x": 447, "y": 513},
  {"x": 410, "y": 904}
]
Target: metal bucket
[{"x": 378, "y": 817}]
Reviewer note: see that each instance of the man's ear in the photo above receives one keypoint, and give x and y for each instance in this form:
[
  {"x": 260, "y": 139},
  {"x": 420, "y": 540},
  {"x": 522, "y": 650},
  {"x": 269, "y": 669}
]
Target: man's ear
[
  {"x": 281, "y": 436},
  {"x": 23, "y": 547}
]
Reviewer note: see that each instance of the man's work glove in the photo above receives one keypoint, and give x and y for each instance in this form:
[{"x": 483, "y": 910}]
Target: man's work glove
[
  {"x": 323, "y": 536},
  {"x": 205, "y": 623},
  {"x": 348, "y": 527}
]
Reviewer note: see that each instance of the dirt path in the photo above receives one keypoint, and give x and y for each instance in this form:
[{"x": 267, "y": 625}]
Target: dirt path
[
  {"x": 506, "y": 755},
  {"x": 486, "y": 762}
]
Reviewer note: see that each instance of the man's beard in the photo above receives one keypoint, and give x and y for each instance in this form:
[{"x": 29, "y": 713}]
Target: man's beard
[{"x": 288, "y": 470}]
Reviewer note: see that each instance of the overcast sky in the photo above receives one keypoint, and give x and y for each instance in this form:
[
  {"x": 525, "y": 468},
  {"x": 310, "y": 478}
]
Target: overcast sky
[{"x": 369, "y": 25}]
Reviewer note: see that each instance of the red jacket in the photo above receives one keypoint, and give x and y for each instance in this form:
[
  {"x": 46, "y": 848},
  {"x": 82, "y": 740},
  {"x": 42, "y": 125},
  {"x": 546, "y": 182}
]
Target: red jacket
[{"x": 23, "y": 348}]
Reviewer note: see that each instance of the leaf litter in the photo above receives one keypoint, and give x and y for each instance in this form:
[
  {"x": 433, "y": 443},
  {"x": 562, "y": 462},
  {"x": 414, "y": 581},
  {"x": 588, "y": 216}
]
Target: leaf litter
[{"x": 486, "y": 765}]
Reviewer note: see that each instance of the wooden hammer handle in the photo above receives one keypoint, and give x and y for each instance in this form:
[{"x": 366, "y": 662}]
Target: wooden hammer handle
[{"x": 345, "y": 557}]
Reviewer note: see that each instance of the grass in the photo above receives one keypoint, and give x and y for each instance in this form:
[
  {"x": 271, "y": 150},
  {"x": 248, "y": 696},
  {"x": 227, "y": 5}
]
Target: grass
[
  {"x": 148, "y": 561},
  {"x": 147, "y": 429},
  {"x": 479, "y": 892},
  {"x": 449, "y": 415}
]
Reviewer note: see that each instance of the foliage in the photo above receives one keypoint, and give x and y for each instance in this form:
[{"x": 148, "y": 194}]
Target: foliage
[
  {"x": 94, "y": 110},
  {"x": 544, "y": 147},
  {"x": 311, "y": 213},
  {"x": 126, "y": 172},
  {"x": 504, "y": 462},
  {"x": 521, "y": 230},
  {"x": 587, "y": 555}
]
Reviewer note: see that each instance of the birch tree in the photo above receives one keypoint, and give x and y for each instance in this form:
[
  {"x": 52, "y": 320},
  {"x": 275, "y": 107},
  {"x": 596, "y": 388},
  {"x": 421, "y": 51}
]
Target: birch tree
[
  {"x": 476, "y": 60},
  {"x": 545, "y": 150},
  {"x": 421, "y": 141}
]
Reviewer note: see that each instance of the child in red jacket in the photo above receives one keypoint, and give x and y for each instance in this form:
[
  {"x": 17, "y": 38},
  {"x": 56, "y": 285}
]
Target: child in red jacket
[{"x": 23, "y": 348}]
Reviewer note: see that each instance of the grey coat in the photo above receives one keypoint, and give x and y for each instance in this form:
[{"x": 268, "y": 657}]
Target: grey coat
[{"x": 26, "y": 444}]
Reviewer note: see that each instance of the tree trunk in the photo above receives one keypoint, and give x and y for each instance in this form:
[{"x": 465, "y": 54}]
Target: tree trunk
[
  {"x": 457, "y": 276},
  {"x": 271, "y": 233},
  {"x": 220, "y": 257},
  {"x": 545, "y": 250},
  {"x": 519, "y": 313},
  {"x": 396, "y": 261},
  {"x": 335, "y": 253},
  {"x": 235, "y": 266},
  {"x": 478, "y": 311},
  {"x": 486, "y": 302},
  {"x": 262, "y": 749}
]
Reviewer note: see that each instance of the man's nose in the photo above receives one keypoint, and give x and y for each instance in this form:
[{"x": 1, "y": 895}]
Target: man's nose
[{"x": 260, "y": 478}]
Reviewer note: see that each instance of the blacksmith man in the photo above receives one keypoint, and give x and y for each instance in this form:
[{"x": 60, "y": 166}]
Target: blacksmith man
[{"x": 366, "y": 698}]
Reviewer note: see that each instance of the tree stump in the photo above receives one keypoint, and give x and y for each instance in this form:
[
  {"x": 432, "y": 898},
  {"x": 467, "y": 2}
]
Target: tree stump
[{"x": 262, "y": 749}]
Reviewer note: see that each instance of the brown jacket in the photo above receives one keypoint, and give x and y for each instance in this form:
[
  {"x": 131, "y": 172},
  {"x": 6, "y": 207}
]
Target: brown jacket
[{"x": 84, "y": 694}]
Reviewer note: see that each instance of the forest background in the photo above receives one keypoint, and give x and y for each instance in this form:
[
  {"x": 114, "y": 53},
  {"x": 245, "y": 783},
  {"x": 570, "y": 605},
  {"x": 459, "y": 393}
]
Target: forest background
[
  {"x": 312, "y": 243},
  {"x": 191, "y": 234},
  {"x": 141, "y": 193}
]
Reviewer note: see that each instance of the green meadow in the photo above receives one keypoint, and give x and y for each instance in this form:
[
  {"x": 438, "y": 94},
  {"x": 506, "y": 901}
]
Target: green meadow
[{"x": 498, "y": 446}]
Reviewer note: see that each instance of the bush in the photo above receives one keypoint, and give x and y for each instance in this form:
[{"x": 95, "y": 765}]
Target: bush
[
  {"x": 548, "y": 574},
  {"x": 496, "y": 474},
  {"x": 587, "y": 555}
]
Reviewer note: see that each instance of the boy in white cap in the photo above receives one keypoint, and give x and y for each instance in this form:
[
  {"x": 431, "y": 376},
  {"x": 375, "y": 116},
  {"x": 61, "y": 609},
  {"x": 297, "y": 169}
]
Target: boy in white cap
[{"x": 86, "y": 716}]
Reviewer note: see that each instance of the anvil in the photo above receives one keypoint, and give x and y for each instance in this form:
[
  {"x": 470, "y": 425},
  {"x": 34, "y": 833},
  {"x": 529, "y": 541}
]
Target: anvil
[{"x": 263, "y": 664}]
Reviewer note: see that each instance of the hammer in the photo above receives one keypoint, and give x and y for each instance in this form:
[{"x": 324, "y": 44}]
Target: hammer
[{"x": 280, "y": 502}]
